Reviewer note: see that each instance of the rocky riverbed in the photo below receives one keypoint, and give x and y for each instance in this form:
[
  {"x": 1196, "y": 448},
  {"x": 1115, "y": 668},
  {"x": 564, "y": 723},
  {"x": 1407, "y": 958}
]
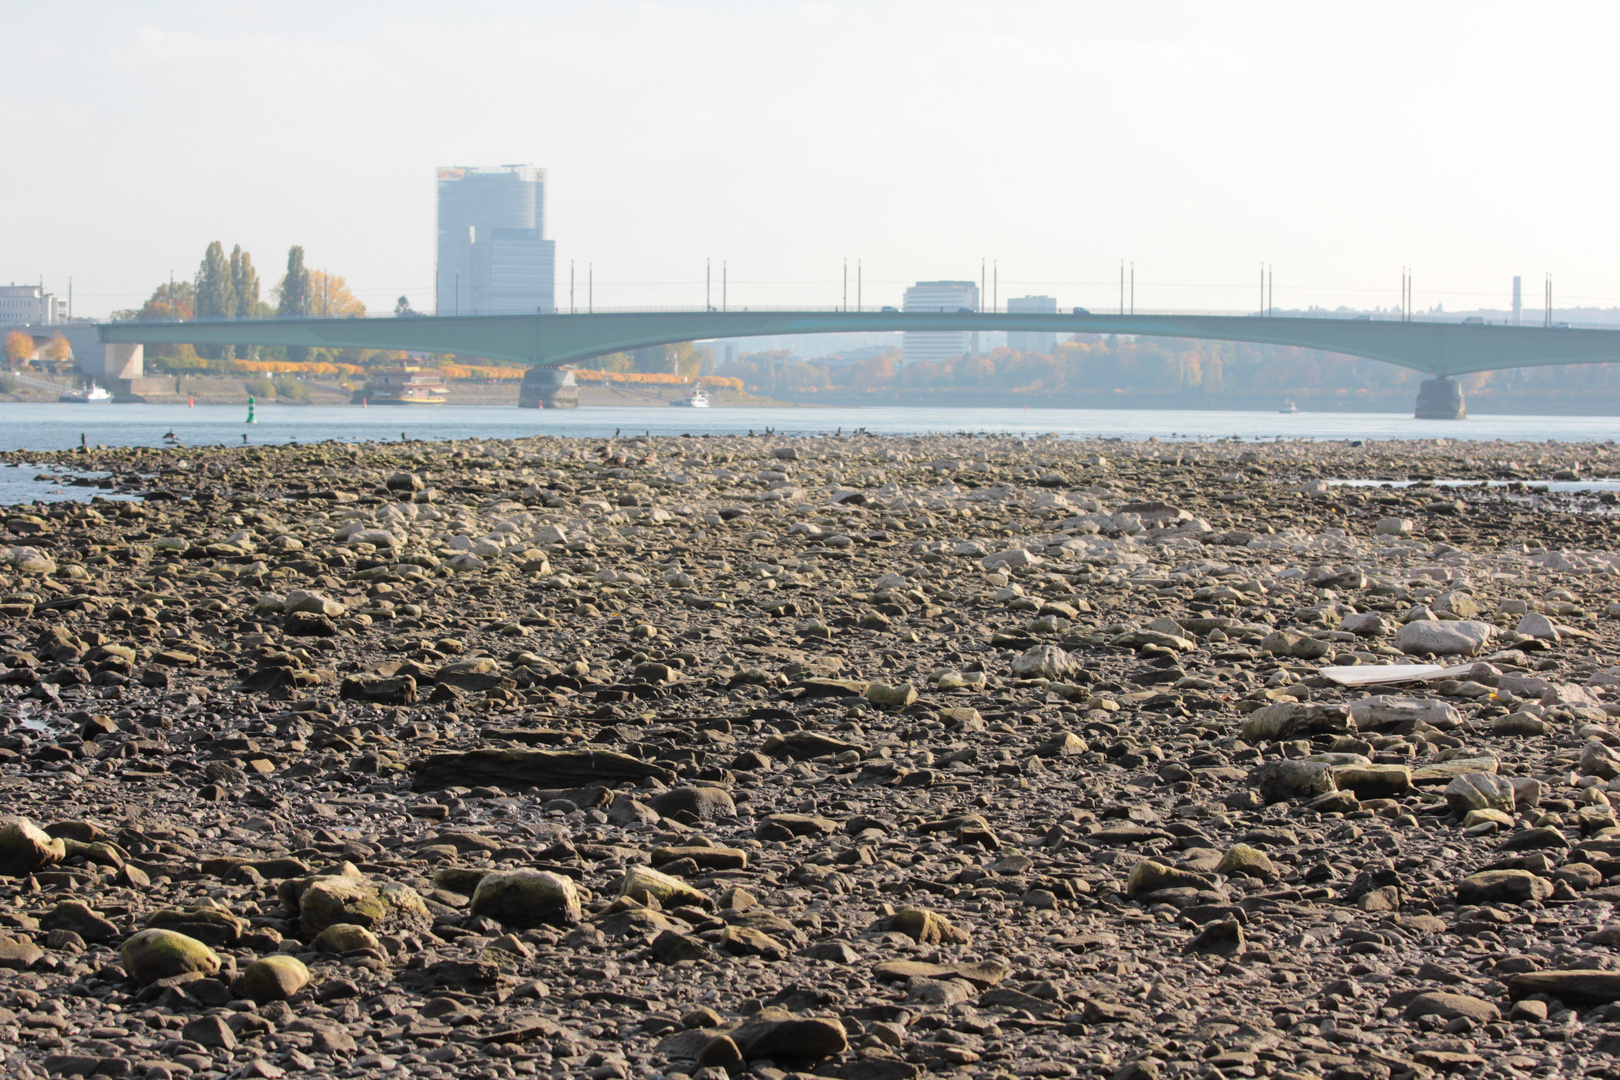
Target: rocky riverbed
[{"x": 855, "y": 757}]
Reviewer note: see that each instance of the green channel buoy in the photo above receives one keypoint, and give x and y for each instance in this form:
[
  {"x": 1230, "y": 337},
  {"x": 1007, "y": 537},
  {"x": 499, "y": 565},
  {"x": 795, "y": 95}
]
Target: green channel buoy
[{"x": 250, "y": 410}]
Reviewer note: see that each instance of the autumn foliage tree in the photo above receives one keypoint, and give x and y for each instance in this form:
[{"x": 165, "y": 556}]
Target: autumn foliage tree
[
  {"x": 169, "y": 302},
  {"x": 58, "y": 351},
  {"x": 330, "y": 298},
  {"x": 20, "y": 348}
]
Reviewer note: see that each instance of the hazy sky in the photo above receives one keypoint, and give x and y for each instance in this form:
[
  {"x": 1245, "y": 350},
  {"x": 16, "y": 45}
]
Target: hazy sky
[{"x": 1338, "y": 142}]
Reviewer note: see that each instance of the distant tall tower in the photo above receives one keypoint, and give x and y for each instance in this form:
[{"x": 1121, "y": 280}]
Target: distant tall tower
[
  {"x": 937, "y": 345},
  {"x": 1032, "y": 341},
  {"x": 1518, "y": 306},
  {"x": 494, "y": 258}
]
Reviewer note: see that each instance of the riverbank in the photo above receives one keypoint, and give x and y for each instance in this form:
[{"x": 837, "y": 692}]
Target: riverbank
[
  {"x": 878, "y": 756},
  {"x": 232, "y": 392}
]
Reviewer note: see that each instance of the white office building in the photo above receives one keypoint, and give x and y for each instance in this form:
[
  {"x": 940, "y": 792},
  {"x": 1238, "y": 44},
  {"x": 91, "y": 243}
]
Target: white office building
[
  {"x": 30, "y": 305},
  {"x": 939, "y": 345},
  {"x": 1032, "y": 341}
]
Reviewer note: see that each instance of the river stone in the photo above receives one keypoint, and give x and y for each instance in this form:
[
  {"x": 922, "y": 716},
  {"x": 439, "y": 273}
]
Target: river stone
[
  {"x": 1374, "y": 781},
  {"x": 340, "y": 938},
  {"x": 1503, "y": 887},
  {"x": 161, "y": 954},
  {"x": 1246, "y": 861},
  {"x": 28, "y": 560},
  {"x": 301, "y": 601},
  {"x": 275, "y": 978},
  {"x": 1599, "y": 760},
  {"x": 308, "y": 624},
  {"x": 1150, "y": 876},
  {"x": 1043, "y": 662},
  {"x": 780, "y": 1036},
  {"x": 1450, "y": 1006},
  {"x": 1287, "y": 719},
  {"x": 747, "y": 941},
  {"x": 1382, "y": 712},
  {"x": 924, "y": 927},
  {"x": 671, "y": 947},
  {"x": 1011, "y": 559},
  {"x": 545, "y": 769},
  {"x": 19, "y": 955},
  {"x": 1221, "y": 938},
  {"x": 981, "y": 973},
  {"x": 382, "y": 907},
  {"x": 1573, "y": 986},
  {"x": 1480, "y": 817},
  {"x": 1456, "y": 604},
  {"x": 1520, "y": 724},
  {"x": 77, "y": 917},
  {"x": 379, "y": 689},
  {"x": 704, "y": 802},
  {"x": 1480, "y": 791},
  {"x": 707, "y": 858},
  {"x": 668, "y": 891},
  {"x": 895, "y": 697},
  {"x": 1463, "y": 637},
  {"x": 25, "y": 848},
  {"x": 1281, "y": 781},
  {"x": 526, "y": 899},
  {"x": 1364, "y": 624},
  {"x": 210, "y": 925},
  {"x": 405, "y": 481},
  {"x": 1538, "y": 626}
]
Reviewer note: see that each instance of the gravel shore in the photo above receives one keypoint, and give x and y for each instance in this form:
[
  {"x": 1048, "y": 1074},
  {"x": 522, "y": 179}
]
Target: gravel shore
[{"x": 858, "y": 757}]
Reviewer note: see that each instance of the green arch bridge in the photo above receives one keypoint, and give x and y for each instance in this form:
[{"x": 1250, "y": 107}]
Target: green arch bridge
[{"x": 545, "y": 343}]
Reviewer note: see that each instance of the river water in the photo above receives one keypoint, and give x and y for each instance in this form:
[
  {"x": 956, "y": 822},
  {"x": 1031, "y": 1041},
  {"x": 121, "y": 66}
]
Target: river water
[{"x": 60, "y": 426}]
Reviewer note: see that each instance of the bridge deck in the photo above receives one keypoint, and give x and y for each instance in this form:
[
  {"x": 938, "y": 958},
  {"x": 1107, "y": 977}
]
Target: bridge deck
[{"x": 1441, "y": 349}]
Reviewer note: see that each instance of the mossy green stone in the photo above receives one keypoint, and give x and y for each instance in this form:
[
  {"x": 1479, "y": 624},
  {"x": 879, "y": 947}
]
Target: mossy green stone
[
  {"x": 383, "y": 907},
  {"x": 340, "y": 938},
  {"x": 162, "y": 954},
  {"x": 275, "y": 978}
]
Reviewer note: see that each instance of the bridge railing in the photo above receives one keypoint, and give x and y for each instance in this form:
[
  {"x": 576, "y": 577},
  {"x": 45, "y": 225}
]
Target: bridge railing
[{"x": 1533, "y": 322}]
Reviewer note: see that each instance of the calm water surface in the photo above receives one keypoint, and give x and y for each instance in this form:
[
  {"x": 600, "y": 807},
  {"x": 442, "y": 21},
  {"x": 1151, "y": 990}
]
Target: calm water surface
[{"x": 59, "y": 426}]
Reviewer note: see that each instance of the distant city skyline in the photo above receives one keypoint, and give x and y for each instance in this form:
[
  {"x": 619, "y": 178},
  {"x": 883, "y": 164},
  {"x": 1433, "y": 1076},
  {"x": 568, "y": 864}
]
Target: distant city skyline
[{"x": 1336, "y": 145}]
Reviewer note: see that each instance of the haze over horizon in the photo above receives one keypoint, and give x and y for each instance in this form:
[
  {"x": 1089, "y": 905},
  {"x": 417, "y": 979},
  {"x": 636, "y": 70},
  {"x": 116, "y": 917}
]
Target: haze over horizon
[{"x": 1337, "y": 143}]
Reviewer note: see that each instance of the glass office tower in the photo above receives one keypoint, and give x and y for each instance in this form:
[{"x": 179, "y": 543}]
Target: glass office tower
[{"x": 494, "y": 258}]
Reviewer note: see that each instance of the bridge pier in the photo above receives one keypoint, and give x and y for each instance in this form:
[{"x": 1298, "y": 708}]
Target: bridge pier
[
  {"x": 548, "y": 388},
  {"x": 123, "y": 361},
  {"x": 1440, "y": 399}
]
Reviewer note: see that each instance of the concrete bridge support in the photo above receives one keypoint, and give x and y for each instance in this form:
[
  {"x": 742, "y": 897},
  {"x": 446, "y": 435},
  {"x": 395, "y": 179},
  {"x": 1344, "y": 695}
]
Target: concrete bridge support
[
  {"x": 123, "y": 361},
  {"x": 1440, "y": 399},
  {"x": 548, "y": 388}
]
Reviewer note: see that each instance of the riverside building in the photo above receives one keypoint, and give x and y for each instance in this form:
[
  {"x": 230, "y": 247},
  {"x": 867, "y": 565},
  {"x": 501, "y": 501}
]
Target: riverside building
[
  {"x": 1032, "y": 341},
  {"x": 939, "y": 345}
]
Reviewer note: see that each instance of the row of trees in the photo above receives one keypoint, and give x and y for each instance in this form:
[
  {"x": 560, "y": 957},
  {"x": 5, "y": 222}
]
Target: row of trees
[
  {"x": 21, "y": 347},
  {"x": 685, "y": 359},
  {"x": 228, "y": 287},
  {"x": 1088, "y": 369}
]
